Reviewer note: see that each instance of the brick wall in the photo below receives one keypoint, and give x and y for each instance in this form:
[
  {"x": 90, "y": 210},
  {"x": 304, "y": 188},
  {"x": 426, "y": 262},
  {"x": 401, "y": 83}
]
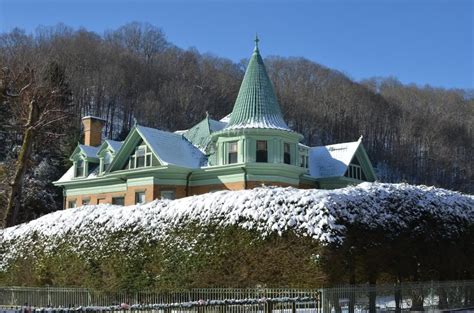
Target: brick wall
[{"x": 153, "y": 192}]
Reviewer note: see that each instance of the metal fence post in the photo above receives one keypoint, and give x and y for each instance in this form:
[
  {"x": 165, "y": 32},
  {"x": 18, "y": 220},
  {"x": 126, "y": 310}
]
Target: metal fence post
[
  {"x": 269, "y": 307},
  {"x": 322, "y": 301}
]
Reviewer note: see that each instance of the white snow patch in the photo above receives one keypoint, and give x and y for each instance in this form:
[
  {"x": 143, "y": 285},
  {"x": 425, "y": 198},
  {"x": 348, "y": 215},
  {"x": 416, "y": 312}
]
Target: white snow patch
[{"x": 321, "y": 214}]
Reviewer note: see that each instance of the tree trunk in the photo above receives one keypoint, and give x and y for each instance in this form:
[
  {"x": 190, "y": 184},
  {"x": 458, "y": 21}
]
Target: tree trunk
[{"x": 16, "y": 185}]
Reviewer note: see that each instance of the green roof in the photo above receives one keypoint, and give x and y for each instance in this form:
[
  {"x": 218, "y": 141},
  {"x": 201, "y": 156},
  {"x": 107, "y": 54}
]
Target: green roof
[
  {"x": 256, "y": 105},
  {"x": 200, "y": 134}
]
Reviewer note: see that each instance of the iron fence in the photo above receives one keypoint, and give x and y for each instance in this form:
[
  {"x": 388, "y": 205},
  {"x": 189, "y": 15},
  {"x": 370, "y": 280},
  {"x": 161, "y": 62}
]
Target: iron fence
[
  {"x": 428, "y": 296},
  {"x": 73, "y": 297}
]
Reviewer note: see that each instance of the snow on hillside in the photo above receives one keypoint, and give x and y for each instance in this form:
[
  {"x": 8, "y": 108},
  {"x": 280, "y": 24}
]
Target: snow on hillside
[{"x": 322, "y": 214}]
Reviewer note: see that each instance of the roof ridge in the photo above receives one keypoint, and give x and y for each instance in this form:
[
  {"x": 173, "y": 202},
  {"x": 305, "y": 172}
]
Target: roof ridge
[
  {"x": 160, "y": 130},
  {"x": 339, "y": 143}
]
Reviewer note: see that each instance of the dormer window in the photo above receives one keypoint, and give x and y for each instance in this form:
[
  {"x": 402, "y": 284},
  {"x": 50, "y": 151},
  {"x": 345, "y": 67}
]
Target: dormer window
[
  {"x": 355, "y": 170},
  {"x": 262, "y": 151},
  {"x": 141, "y": 157},
  {"x": 80, "y": 168},
  {"x": 286, "y": 153},
  {"x": 232, "y": 152},
  {"x": 105, "y": 162}
]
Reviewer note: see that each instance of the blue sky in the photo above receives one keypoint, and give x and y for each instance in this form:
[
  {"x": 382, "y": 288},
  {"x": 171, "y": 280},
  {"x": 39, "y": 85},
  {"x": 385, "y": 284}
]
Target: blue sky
[{"x": 422, "y": 42}]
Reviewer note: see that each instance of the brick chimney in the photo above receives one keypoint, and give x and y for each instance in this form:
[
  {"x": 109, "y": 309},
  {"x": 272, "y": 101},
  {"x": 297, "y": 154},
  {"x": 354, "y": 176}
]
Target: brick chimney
[{"x": 93, "y": 130}]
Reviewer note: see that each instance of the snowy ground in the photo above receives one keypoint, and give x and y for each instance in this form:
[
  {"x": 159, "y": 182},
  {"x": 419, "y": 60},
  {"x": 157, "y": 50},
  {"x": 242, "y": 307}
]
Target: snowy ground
[{"x": 320, "y": 214}]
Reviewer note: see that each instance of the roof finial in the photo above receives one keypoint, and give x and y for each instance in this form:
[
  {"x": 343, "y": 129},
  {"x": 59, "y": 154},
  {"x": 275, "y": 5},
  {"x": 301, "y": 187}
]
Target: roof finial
[{"x": 256, "y": 42}]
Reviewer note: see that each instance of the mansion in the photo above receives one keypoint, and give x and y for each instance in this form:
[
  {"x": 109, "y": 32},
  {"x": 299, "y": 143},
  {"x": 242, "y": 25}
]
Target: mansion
[{"x": 251, "y": 146}]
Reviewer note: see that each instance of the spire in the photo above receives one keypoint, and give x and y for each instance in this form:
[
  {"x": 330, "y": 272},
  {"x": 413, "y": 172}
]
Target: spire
[
  {"x": 256, "y": 43},
  {"x": 256, "y": 105}
]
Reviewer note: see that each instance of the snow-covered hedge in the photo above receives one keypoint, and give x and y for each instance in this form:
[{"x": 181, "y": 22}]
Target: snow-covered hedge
[{"x": 324, "y": 215}]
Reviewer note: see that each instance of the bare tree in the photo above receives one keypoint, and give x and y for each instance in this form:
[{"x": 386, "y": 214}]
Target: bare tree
[{"x": 38, "y": 98}]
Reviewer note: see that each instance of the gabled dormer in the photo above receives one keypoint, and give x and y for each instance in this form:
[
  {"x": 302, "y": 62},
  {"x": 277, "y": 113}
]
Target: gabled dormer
[
  {"x": 147, "y": 147},
  {"x": 347, "y": 160},
  {"x": 200, "y": 134},
  {"x": 360, "y": 168},
  {"x": 85, "y": 160},
  {"x": 106, "y": 154}
]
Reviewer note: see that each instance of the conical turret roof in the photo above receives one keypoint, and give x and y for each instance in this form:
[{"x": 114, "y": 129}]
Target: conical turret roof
[{"x": 256, "y": 105}]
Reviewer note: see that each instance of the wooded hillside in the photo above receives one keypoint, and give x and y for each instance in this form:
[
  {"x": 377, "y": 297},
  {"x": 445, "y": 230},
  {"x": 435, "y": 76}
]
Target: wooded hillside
[{"x": 421, "y": 135}]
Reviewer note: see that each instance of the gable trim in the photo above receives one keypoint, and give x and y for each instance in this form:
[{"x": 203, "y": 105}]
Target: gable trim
[{"x": 129, "y": 144}]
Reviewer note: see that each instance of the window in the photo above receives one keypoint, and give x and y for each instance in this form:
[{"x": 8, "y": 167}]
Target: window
[
  {"x": 101, "y": 200},
  {"x": 86, "y": 201},
  {"x": 139, "y": 197},
  {"x": 106, "y": 162},
  {"x": 80, "y": 168},
  {"x": 118, "y": 200},
  {"x": 168, "y": 194},
  {"x": 71, "y": 204},
  {"x": 232, "y": 152},
  {"x": 141, "y": 158},
  {"x": 304, "y": 161},
  {"x": 286, "y": 153},
  {"x": 262, "y": 152},
  {"x": 355, "y": 171}
]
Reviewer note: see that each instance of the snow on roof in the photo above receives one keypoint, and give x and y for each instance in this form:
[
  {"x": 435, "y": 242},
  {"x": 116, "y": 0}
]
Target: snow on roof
[
  {"x": 94, "y": 117},
  {"x": 266, "y": 122},
  {"x": 69, "y": 175},
  {"x": 215, "y": 126},
  {"x": 324, "y": 215},
  {"x": 226, "y": 118},
  {"x": 116, "y": 145},
  {"x": 332, "y": 160},
  {"x": 89, "y": 151},
  {"x": 172, "y": 148}
]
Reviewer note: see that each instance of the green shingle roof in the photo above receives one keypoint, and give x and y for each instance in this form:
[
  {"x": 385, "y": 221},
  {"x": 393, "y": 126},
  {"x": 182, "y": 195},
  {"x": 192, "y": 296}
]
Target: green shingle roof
[
  {"x": 256, "y": 105},
  {"x": 200, "y": 134}
]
